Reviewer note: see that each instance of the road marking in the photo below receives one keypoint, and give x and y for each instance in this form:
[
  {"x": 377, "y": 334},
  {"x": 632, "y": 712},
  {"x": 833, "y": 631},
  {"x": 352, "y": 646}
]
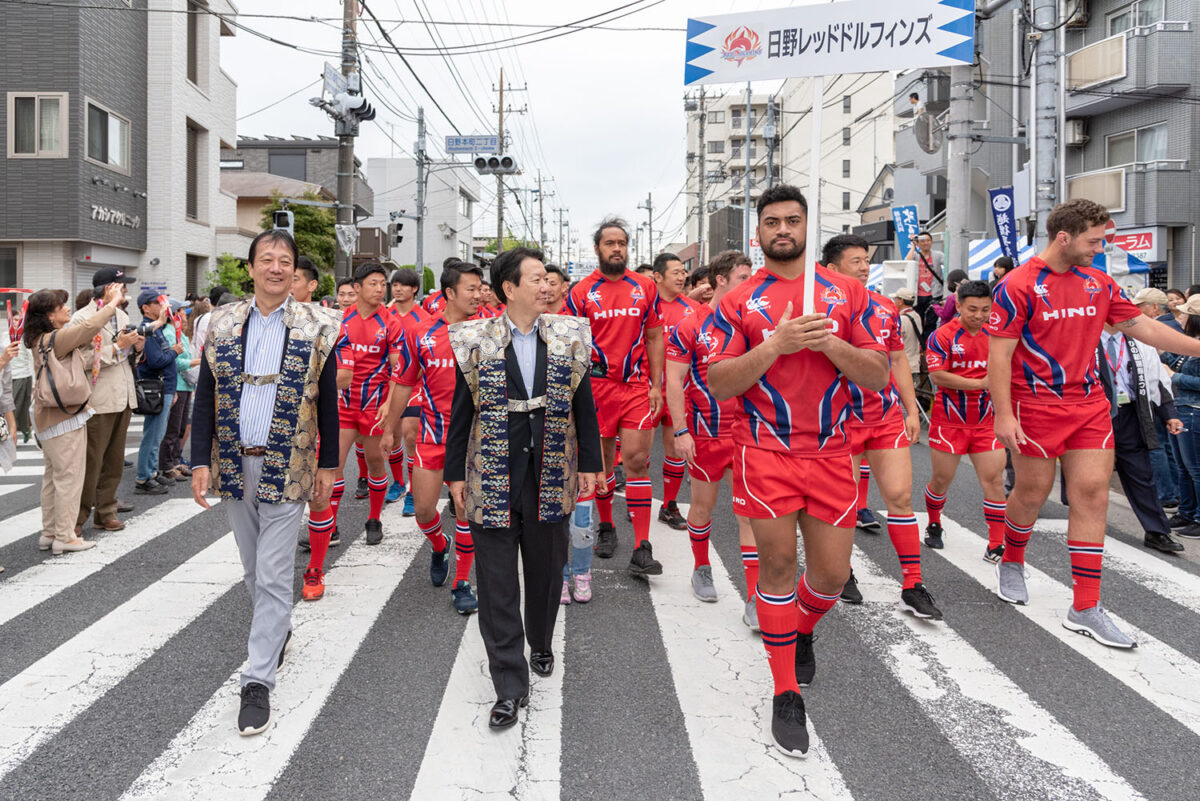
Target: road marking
[
  {"x": 7, "y": 489},
  {"x": 466, "y": 759},
  {"x": 38, "y": 459},
  {"x": 208, "y": 759},
  {"x": 728, "y": 713},
  {"x": 45, "y": 697},
  {"x": 1014, "y": 745},
  {"x": 1154, "y": 670}
]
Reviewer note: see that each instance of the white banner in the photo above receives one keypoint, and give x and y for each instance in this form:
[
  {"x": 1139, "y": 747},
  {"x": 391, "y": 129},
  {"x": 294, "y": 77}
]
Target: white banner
[
  {"x": 851, "y": 36},
  {"x": 347, "y": 237}
]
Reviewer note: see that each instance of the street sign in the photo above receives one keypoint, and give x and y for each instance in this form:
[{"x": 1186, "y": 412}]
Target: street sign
[
  {"x": 335, "y": 82},
  {"x": 476, "y": 143},
  {"x": 1110, "y": 231},
  {"x": 347, "y": 237}
]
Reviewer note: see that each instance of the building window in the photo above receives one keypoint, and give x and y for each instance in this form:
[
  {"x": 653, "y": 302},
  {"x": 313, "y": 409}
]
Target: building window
[
  {"x": 9, "y": 259},
  {"x": 192, "y": 180},
  {"x": 1140, "y": 146},
  {"x": 107, "y": 138},
  {"x": 845, "y": 168},
  {"x": 196, "y": 269},
  {"x": 735, "y": 150},
  {"x": 288, "y": 163},
  {"x": 714, "y": 206},
  {"x": 714, "y": 176},
  {"x": 846, "y": 137},
  {"x": 195, "y": 12},
  {"x": 845, "y": 201},
  {"x": 715, "y": 117},
  {"x": 845, "y": 229},
  {"x": 846, "y": 104},
  {"x": 1143, "y": 12},
  {"x": 464, "y": 206},
  {"x": 37, "y": 125},
  {"x": 716, "y": 148}
]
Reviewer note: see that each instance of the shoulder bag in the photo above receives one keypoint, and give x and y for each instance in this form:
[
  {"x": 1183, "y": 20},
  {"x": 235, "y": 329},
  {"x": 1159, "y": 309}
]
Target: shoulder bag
[{"x": 60, "y": 383}]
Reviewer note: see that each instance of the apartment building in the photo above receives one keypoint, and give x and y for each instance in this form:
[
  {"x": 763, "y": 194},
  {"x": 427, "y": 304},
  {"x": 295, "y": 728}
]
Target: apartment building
[{"x": 451, "y": 206}]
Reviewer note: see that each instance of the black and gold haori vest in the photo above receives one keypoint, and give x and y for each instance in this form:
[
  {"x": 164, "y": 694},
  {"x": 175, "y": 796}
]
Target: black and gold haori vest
[
  {"x": 479, "y": 347},
  {"x": 290, "y": 463}
]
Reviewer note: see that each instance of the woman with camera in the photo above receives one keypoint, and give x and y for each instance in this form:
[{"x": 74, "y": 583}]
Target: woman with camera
[{"x": 61, "y": 408}]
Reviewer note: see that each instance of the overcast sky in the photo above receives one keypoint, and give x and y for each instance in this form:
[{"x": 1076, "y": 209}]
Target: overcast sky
[{"x": 605, "y": 117}]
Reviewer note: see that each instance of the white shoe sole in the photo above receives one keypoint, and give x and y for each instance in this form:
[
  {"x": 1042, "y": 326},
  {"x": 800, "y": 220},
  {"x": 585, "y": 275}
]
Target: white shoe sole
[
  {"x": 1079, "y": 628},
  {"x": 252, "y": 732},
  {"x": 904, "y": 607},
  {"x": 708, "y": 599},
  {"x": 785, "y": 751}
]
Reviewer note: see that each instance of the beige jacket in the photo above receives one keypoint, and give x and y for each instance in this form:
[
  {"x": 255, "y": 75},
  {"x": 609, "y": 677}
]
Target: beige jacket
[
  {"x": 66, "y": 346},
  {"x": 113, "y": 391}
]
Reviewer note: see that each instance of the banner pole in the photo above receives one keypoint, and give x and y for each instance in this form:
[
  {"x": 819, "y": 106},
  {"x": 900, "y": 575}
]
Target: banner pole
[{"x": 813, "y": 237}]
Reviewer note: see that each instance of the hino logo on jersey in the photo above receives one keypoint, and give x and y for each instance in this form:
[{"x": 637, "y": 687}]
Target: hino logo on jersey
[
  {"x": 609, "y": 313},
  {"x": 1069, "y": 312},
  {"x": 360, "y": 348},
  {"x": 434, "y": 364},
  {"x": 968, "y": 364}
]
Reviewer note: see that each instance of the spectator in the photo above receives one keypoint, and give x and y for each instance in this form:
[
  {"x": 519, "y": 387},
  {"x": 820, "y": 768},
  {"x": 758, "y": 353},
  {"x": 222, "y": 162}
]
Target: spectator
[
  {"x": 200, "y": 326},
  {"x": 180, "y": 418},
  {"x": 22, "y": 381},
  {"x": 911, "y": 328},
  {"x": 63, "y": 433},
  {"x": 1175, "y": 298},
  {"x": 931, "y": 277},
  {"x": 113, "y": 401},
  {"x": 8, "y": 446},
  {"x": 644, "y": 269},
  {"x": 1186, "y": 383},
  {"x": 83, "y": 298},
  {"x": 1194, "y": 289},
  {"x": 158, "y": 361},
  {"x": 1000, "y": 268},
  {"x": 949, "y": 310}
]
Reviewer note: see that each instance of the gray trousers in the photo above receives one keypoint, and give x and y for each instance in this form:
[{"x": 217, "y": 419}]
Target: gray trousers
[{"x": 266, "y": 538}]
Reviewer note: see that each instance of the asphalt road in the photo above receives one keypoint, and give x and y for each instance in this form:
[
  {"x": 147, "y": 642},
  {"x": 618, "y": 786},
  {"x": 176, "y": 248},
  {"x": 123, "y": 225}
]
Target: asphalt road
[{"x": 118, "y": 674}]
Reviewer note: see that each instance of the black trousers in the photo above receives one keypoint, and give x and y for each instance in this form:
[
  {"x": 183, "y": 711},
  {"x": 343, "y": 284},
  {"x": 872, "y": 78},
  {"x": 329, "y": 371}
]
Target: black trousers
[
  {"x": 1135, "y": 472},
  {"x": 543, "y": 552}
]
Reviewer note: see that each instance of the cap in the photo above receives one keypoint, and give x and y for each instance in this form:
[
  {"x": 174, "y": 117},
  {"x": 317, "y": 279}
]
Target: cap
[
  {"x": 904, "y": 293},
  {"x": 110, "y": 275},
  {"x": 227, "y": 298},
  {"x": 147, "y": 296},
  {"x": 1150, "y": 295},
  {"x": 1191, "y": 307}
]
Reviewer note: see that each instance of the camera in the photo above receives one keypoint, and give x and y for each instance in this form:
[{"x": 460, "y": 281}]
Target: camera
[{"x": 143, "y": 330}]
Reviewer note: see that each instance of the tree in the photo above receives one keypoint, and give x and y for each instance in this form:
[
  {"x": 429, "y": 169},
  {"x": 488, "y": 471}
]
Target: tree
[
  {"x": 510, "y": 242},
  {"x": 314, "y": 232},
  {"x": 231, "y": 273}
]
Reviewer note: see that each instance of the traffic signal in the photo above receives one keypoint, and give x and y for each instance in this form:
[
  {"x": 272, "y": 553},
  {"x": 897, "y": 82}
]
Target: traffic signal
[
  {"x": 283, "y": 220},
  {"x": 353, "y": 108},
  {"x": 496, "y": 165},
  {"x": 393, "y": 233}
]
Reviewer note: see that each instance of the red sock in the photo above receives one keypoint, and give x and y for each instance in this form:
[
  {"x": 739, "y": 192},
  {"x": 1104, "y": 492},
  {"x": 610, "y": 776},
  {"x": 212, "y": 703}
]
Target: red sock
[
  {"x": 408, "y": 460},
  {"x": 377, "y": 487},
  {"x": 320, "y": 529},
  {"x": 699, "y": 537},
  {"x": 604, "y": 500},
  {"x": 637, "y": 497},
  {"x": 335, "y": 499},
  {"x": 672, "y": 478},
  {"x": 864, "y": 484},
  {"x": 934, "y": 505},
  {"x": 906, "y": 539},
  {"x": 464, "y": 550},
  {"x": 396, "y": 461},
  {"x": 432, "y": 529},
  {"x": 362, "y": 459},
  {"x": 812, "y": 606},
  {"x": 1016, "y": 538},
  {"x": 750, "y": 566},
  {"x": 1086, "y": 558},
  {"x": 777, "y": 619},
  {"x": 993, "y": 513}
]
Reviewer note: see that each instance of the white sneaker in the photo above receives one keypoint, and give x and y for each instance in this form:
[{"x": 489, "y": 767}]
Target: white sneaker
[
  {"x": 78, "y": 544},
  {"x": 1096, "y": 623}
]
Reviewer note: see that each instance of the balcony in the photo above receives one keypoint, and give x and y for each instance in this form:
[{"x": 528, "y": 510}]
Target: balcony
[
  {"x": 1140, "y": 194},
  {"x": 1124, "y": 69}
]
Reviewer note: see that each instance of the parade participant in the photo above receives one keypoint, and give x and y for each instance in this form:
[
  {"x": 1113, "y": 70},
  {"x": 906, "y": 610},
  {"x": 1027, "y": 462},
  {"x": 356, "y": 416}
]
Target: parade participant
[
  {"x": 703, "y": 434},
  {"x": 1049, "y": 402},
  {"x": 369, "y": 348},
  {"x": 523, "y": 408},
  {"x": 346, "y": 295},
  {"x": 793, "y": 462},
  {"x": 433, "y": 370},
  {"x": 881, "y": 429},
  {"x": 627, "y": 368},
  {"x": 305, "y": 280},
  {"x": 405, "y": 285},
  {"x": 961, "y": 422},
  {"x": 669, "y": 277},
  {"x": 559, "y": 286},
  {"x": 436, "y": 301},
  {"x": 271, "y": 359}
]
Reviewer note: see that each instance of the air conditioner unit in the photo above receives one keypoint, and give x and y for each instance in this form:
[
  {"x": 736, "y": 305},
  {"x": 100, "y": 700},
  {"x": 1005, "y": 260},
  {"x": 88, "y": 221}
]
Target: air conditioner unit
[
  {"x": 1080, "y": 18},
  {"x": 1075, "y": 133}
]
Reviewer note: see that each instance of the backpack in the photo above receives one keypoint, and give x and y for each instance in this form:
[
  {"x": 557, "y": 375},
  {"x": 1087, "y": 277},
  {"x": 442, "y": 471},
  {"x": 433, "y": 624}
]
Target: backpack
[{"x": 60, "y": 383}]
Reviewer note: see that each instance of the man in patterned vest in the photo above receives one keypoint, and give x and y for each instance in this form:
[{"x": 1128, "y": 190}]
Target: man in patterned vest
[
  {"x": 267, "y": 395},
  {"x": 523, "y": 443}
]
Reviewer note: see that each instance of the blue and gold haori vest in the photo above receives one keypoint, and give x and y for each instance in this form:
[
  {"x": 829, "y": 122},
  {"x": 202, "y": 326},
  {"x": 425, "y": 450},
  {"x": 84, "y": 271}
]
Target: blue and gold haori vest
[
  {"x": 479, "y": 347},
  {"x": 290, "y": 463}
]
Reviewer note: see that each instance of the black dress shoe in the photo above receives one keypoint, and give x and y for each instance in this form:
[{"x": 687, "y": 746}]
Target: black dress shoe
[
  {"x": 1162, "y": 542},
  {"x": 504, "y": 711},
  {"x": 542, "y": 662}
]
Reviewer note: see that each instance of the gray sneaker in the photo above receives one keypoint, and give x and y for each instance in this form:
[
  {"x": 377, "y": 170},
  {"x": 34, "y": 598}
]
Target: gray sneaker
[
  {"x": 702, "y": 584},
  {"x": 750, "y": 615},
  {"x": 1096, "y": 623},
  {"x": 1010, "y": 583}
]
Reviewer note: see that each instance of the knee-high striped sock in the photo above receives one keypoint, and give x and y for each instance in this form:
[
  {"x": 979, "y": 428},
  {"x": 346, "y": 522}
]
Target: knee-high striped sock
[
  {"x": 934, "y": 505},
  {"x": 617, "y": 458},
  {"x": 464, "y": 550},
  {"x": 864, "y": 484},
  {"x": 362, "y": 459},
  {"x": 750, "y": 567},
  {"x": 335, "y": 498},
  {"x": 777, "y": 619},
  {"x": 993, "y": 513},
  {"x": 377, "y": 487},
  {"x": 638, "y": 492},
  {"x": 1086, "y": 559},
  {"x": 432, "y": 529},
  {"x": 672, "y": 478},
  {"x": 604, "y": 500},
  {"x": 1016, "y": 538},
  {"x": 699, "y": 537},
  {"x": 396, "y": 462},
  {"x": 906, "y": 539},
  {"x": 812, "y": 606},
  {"x": 320, "y": 529},
  {"x": 409, "y": 461}
]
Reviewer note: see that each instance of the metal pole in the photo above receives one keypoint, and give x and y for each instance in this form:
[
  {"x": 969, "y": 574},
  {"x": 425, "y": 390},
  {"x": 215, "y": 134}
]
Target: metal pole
[
  {"x": 1060, "y": 193},
  {"x": 650, "y": 226},
  {"x": 746, "y": 180},
  {"x": 812, "y": 240},
  {"x": 703, "y": 206},
  {"x": 559, "y": 254},
  {"x": 769, "y": 138},
  {"x": 1047, "y": 113},
  {"x": 958, "y": 168},
  {"x": 541, "y": 214},
  {"x": 500, "y": 178},
  {"x": 422, "y": 179},
  {"x": 343, "y": 263}
]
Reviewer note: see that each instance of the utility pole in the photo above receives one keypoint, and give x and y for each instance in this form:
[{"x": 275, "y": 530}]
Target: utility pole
[
  {"x": 343, "y": 263},
  {"x": 703, "y": 204},
  {"x": 769, "y": 138},
  {"x": 559, "y": 254},
  {"x": 1046, "y": 116},
  {"x": 746, "y": 180},
  {"x": 422, "y": 179},
  {"x": 958, "y": 167},
  {"x": 649, "y": 207},
  {"x": 541, "y": 213},
  {"x": 500, "y": 178}
]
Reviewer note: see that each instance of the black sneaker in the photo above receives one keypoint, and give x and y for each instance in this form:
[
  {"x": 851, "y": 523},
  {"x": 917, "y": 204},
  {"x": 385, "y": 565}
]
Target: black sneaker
[
  {"x": 806, "y": 659},
  {"x": 439, "y": 567},
  {"x": 255, "y": 715},
  {"x": 150, "y": 487},
  {"x": 788, "y": 727},
  {"x": 163, "y": 480},
  {"x": 669, "y": 514},
  {"x": 287, "y": 643},
  {"x": 916, "y": 599},
  {"x": 1179, "y": 521},
  {"x": 1190, "y": 532},
  {"x": 361, "y": 490},
  {"x": 336, "y": 537},
  {"x": 618, "y": 479},
  {"x": 933, "y": 536},
  {"x": 850, "y": 592},
  {"x": 1170, "y": 505},
  {"x": 643, "y": 563},
  {"x": 606, "y": 541},
  {"x": 374, "y": 531}
]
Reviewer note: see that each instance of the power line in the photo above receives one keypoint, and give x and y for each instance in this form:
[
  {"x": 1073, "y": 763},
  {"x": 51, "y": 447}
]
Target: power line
[{"x": 280, "y": 100}]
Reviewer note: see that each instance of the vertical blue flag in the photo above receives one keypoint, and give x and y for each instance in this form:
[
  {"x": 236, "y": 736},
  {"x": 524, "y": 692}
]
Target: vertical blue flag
[
  {"x": 1006, "y": 223},
  {"x": 907, "y": 227}
]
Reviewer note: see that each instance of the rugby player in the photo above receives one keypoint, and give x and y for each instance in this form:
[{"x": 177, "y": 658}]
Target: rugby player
[{"x": 674, "y": 307}]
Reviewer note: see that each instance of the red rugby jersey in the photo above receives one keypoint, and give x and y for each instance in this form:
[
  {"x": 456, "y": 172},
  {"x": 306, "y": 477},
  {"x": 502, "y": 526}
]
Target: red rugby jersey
[
  {"x": 365, "y": 346},
  {"x": 620, "y": 313},
  {"x": 693, "y": 342},
  {"x": 954, "y": 350},
  {"x": 432, "y": 371},
  {"x": 874, "y": 407}
]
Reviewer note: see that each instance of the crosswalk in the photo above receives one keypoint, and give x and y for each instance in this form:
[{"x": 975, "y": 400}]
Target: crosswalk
[{"x": 126, "y": 659}]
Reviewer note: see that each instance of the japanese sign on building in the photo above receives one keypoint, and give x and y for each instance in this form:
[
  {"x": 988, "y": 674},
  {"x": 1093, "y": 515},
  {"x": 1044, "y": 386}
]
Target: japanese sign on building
[
  {"x": 477, "y": 143},
  {"x": 851, "y": 36},
  {"x": 1005, "y": 219},
  {"x": 907, "y": 228}
]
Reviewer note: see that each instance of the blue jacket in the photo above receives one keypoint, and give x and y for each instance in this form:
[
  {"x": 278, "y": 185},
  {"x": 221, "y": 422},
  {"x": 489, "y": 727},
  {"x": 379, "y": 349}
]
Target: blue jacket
[
  {"x": 158, "y": 360},
  {"x": 1186, "y": 383}
]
